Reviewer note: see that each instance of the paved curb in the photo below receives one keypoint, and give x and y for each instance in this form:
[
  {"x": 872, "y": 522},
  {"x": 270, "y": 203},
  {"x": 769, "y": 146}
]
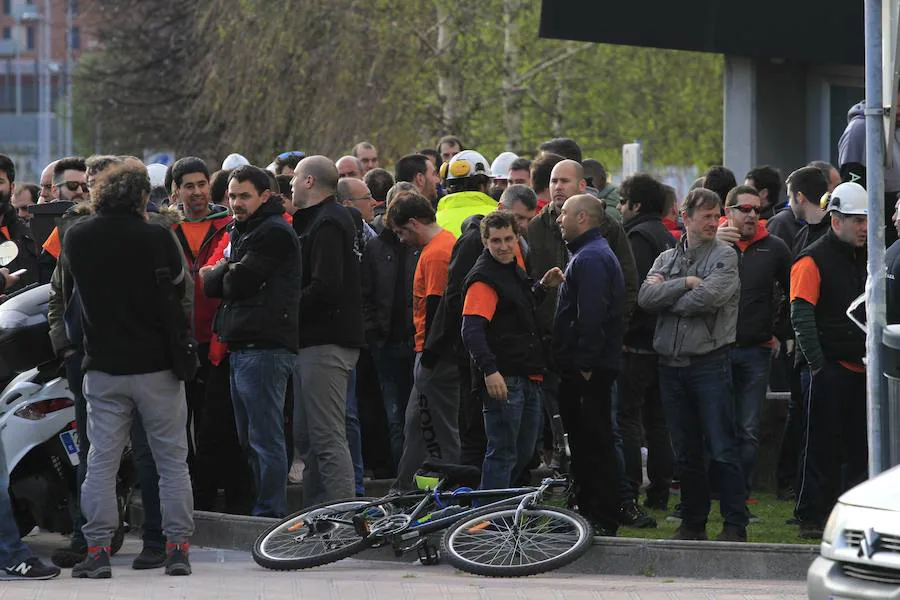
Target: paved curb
[{"x": 612, "y": 556}]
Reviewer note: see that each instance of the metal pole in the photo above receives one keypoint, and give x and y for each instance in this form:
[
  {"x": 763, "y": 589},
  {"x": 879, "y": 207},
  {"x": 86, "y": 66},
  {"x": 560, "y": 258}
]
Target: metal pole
[
  {"x": 67, "y": 144},
  {"x": 18, "y": 68},
  {"x": 44, "y": 108},
  {"x": 875, "y": 285}
]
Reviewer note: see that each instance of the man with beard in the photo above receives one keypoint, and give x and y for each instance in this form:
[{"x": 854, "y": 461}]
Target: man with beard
[{"x": 13, "y": 228}]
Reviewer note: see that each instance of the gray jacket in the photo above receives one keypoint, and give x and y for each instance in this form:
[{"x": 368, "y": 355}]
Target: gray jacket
[{"x": 692, "y": 323}]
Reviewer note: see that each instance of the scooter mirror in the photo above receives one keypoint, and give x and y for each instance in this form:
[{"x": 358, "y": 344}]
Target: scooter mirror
[{"x": 8, "y": 252}]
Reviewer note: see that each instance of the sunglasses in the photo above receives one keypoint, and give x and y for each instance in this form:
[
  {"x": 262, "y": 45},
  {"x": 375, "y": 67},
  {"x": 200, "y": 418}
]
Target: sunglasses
[
  {"x": 296, "y": 153},
  {"x": 73, "y": 186},
  {"x": 746, "y": 208}
]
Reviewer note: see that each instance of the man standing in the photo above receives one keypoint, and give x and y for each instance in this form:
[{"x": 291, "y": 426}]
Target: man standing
[
  {"x": 520, "y": 172},
  {"x": 349, "y": 166},
  {"x": 587, "y": 348},
  {"x": 48, "y": 190},
  {"x": 448, "y": 147},
  {"x": 521, "y": 201},
  {"x": 260, "y": 286},
  {"x": 129, "y": 363},
  {"x": 468, "y": 181},
  {"x": 419, "y": 171},
  {"x": 331, "y": 331},
  {"x": 695, "y": 289},
  {"x": 367, "y": 155},
  {"x": 500, "y": 332},
  {"x": 70, "y": 179},
  {"x": 432, "y": 414},
  {"x": 766, "y": 181},
  {"x": 199, "y": 233},
  {"x": 764, "y": 268},
  {"x": 825, "y": 279},
  {"x": 13, "y": 228},
  {"x": 640, "y": 412}
]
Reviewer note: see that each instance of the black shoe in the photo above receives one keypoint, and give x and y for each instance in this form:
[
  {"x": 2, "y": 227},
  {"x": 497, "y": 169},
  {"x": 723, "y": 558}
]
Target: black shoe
[
  {"x": 732, "y": 533},
  {"x": 177, "y": 562},
  {"x": 657, "y": 503},
  {"x": 602, "y": 530},
  {"x": 676, "y": 514},
  {"x": 68, "y": 557},
  {"x": 95, "y": 565},
  {"x": 151, "y": 557},
  {"x": 810, "y": 531},
  {"x": 634, "y": 516},
  {"x": 29, "y": 569},
  {"x": 686, "y": 533}
]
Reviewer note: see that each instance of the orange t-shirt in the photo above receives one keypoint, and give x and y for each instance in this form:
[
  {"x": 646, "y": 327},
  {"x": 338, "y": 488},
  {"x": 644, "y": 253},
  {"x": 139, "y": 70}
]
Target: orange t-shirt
[
  {"x": 52, "y": 245},
  {"x": 5, "y": 231},
  {"x": 430, "y": 279},
  {"x": 805, "y": 285},
  {"x": 195, "y": 233}
]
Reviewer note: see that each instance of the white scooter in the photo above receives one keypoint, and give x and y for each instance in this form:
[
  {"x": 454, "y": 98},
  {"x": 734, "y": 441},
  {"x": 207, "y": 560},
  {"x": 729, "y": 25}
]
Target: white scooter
[{"x": 37, "y": 419}]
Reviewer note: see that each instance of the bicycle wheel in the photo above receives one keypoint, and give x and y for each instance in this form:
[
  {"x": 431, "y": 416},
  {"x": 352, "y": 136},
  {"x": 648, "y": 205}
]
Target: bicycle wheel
[
  {"x": 308, "y": 539},
  {"x": 490, "y": 542}
]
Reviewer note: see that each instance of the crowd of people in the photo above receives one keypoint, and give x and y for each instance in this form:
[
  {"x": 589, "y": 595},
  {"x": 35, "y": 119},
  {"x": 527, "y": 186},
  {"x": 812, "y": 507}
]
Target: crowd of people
[{"x": 251, "y": 327}]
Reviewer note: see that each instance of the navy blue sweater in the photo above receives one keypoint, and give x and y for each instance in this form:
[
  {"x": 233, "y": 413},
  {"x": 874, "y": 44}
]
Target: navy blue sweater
[{"x": 590, "y": 312}]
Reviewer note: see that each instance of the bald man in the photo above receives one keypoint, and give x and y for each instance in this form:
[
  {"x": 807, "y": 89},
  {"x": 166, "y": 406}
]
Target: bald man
[
  {"x": 331, "y": 331},
  {"x": 587, "y": 346},
  {"x": 48, "y": 190},
  {"x": 349, "y": 166}
]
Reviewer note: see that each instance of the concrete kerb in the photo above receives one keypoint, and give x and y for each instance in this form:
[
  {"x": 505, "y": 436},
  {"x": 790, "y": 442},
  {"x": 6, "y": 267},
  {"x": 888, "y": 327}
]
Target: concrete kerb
[{"x": 613, "y": 556}]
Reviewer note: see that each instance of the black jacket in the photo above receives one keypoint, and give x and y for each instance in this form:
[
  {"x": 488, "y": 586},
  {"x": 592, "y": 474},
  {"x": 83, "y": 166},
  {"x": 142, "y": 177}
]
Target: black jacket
[
  {"x": 648, "y": 238},
  {"x": 387, "y": 265},
  {"x": 512, "y": 334},
  {"x": 27, "y": 258},
  {"x": 892, "y": 263},
  {"x": 765, "y": 272},
  {"x": 810, "y": 233},
  {"x": 785, "y": 226},
  {"x": 584, "y": 340},
  {"x": 112, "y": 258},
  {"x": 260, "y": 283},
  {"x": 842, "y": 272},
  {"x": 330, "y": 294}
]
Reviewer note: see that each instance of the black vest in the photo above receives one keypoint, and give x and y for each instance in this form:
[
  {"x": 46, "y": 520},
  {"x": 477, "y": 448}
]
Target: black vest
[
  {"x": 651, "y": 229},
  {"x": 842, "y": 270},
  {"x": 271, "y": 317},
  {"x": 513, "y": 332}
]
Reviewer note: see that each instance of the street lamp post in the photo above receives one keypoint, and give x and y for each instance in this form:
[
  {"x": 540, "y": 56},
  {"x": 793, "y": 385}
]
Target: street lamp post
[{"x": 44, "y": 87}]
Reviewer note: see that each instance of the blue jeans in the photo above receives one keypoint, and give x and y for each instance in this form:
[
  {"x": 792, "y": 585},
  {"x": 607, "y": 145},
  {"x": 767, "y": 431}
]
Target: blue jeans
[
  {"x": 750, "y": 369},
  {"x": 394, "y": 363},
  {"x": 12, "y": 549},
  {"x": 511, "y": 428},
  {"x": 258, "y": 383},
  {"x": 354, "y": 434},
  {"x": 699, "y": 404}
]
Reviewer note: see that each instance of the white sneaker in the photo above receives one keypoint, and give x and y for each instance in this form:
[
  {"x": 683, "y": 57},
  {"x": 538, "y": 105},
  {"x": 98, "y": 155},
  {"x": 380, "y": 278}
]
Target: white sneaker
[{"x": 295, "y": 475}]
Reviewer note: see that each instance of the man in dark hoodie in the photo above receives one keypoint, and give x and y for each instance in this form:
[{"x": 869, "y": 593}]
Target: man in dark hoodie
[
  {"x": 852, "y": 161},
  {"x": 260, "y": 285},
  {"x": 331, "y": 331},
  {"x": 198, "y": 234},
  {"x": 13, "y": 228}
]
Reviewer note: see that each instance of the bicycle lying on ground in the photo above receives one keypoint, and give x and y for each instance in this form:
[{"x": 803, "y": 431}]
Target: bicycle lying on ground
[{"x": 498, "y": 533}]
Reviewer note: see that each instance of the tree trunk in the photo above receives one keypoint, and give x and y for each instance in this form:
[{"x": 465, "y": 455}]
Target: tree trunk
[
  {"x": 448, "y": 76},
  {"x": 513, "y": 92}
]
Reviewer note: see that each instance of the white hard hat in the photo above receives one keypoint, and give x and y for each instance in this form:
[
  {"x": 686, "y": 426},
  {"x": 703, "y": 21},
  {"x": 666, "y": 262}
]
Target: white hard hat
[
  {"x": 233, "y": 161},
  {"x": 272, "y": 167},
  {"x": 157, "y": 173},
  {"x": 849, "y": 198},
  {"x": 467, "y": 163},
  {"x": 501, "y": 164}
]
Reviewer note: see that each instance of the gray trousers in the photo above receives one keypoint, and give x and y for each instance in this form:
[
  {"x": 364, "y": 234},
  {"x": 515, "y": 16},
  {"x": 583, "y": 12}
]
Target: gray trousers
[
  {"x": 111, "y": 404},
  {"x": 432, "y": 420},
  {"x": 320, "y": 421}
]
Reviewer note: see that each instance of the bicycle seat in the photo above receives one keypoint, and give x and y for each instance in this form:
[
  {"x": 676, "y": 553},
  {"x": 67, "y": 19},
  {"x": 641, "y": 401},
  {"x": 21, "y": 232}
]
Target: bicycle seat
[{"x": 453, "y": 475}]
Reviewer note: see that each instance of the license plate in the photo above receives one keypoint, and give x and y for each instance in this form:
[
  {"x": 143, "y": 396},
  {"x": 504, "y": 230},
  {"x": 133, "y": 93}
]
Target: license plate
[{"x": 69, "y": 441}]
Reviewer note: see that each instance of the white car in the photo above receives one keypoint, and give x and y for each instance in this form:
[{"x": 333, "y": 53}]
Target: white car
[{"x": 860, "y": 556}]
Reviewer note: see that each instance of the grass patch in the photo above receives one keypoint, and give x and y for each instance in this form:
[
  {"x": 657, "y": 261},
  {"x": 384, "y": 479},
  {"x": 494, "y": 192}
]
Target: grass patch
[{"x": 771, "y": 529}]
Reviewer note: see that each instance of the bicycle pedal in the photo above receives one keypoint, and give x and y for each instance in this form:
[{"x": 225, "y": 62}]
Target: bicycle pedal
[{"x": 429, "y": 555}]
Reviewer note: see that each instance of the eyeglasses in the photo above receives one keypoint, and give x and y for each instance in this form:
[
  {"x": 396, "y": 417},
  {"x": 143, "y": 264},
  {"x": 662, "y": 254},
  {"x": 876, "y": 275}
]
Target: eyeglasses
[
  {"x": 357, "y": 199},
  {"x": 291, "y": 153},
  {"x": 746, "y": 208},
  {"x": 73, "y": 186}
]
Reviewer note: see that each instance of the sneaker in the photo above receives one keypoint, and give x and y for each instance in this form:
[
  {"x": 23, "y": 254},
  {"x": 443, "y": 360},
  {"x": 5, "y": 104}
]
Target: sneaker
[
  {"x": 177, "y": 562},
  {"x": 295, "y": 475},
  {"x": 686, "y": 533},
  {"x": 732, "y": 533},
  {"x": 634, "y": 516},
  {"x": 675, "y": 516},
  {"x": 29, "y": 569},
  {"x": 71, "y": 555},
  {"x": 151, "y": 557},
  {"x": 95, "y": 565},
  {"x": 751, "y": 518}
]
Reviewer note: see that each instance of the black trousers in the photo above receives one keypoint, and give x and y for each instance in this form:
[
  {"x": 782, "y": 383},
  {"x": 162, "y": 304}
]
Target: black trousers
[
  {"x": 792, "y": 438},
  {"x": 836, "y": 456},
  {"x": 195, "y": 392},
  {"x": 472, "y": 439},
  {"x": 586, "y": 410},
  {"x": 641, "y": 415},
  {"x": 220, "y": 462}
]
